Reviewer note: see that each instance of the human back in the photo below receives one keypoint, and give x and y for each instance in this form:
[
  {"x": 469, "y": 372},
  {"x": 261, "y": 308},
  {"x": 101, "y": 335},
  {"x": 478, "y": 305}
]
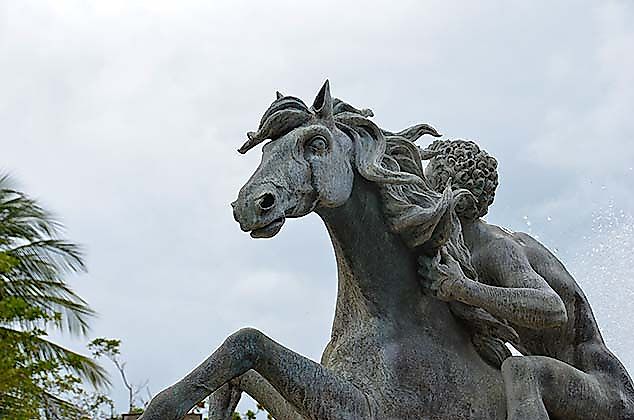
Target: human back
[{"x": 578, "y": 341}]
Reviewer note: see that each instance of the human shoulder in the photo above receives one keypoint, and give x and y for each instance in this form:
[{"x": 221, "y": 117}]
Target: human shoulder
[
  {"x": 520, "y": 246},
  {"x": 502, "y": 253},
  {"x": 538, "y": 253},
  {"x": 493, "y": 237},
  {"x": 500, "y": 237}
]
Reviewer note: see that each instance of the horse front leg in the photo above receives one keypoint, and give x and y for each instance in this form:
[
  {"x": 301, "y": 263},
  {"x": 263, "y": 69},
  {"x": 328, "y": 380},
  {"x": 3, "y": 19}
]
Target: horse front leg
[
  {"x": 223, "y": 401},
  {"x": 313, "y": 390}
]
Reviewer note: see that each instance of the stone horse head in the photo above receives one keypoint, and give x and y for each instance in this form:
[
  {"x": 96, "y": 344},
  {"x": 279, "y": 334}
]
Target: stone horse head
[{"x": 311, "y": 161}]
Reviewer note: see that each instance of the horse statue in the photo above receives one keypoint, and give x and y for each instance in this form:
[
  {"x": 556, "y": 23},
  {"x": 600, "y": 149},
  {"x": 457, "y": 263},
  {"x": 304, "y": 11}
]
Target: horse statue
[{"x": 397, "y": 350}]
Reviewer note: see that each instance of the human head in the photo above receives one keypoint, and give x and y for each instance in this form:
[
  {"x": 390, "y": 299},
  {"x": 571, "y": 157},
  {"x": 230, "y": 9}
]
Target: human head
[{"x": 469, "y": 168}]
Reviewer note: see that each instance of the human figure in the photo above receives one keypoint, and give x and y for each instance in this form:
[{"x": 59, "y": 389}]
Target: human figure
[{"x": 567, "y": 372}]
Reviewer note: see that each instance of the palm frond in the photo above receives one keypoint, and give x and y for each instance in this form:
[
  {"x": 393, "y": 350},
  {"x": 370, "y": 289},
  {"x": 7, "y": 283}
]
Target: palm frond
[
  {"x": 28, "y": 237},
  {"x": 75, "y": 317},
  {"x": 26, "y": 287},
  {"x": 37, "y": 258},
  {"x": 21, "y": 217},
  {"x": 56, "y": 408},
  {"x": 66, "y": 309},
  {"x": 82, "y": 366}
]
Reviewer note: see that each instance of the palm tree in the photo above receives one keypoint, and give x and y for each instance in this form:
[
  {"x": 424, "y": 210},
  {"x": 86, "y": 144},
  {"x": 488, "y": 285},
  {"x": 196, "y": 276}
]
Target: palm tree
[{"x": 33, "y": 264}]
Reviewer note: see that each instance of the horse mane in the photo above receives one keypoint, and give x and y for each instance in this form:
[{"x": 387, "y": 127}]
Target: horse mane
[{"x": 424, "y": 218}]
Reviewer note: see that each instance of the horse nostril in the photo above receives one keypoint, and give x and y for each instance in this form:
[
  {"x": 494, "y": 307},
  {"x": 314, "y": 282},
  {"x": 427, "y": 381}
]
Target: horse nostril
[{"x": 266, "y": 202}]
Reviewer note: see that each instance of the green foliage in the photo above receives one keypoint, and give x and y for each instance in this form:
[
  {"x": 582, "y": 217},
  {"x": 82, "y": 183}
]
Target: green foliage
[
  {"x": 251, "y": 415},
  {"x": 105, "y": 347},
  {"x": 37, "y": 375},
  {"x": 110, "y": 348}
]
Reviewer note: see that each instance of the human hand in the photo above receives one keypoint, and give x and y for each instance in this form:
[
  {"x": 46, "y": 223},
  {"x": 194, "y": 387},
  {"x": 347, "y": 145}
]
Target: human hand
[{"x": 441, "y": 275}]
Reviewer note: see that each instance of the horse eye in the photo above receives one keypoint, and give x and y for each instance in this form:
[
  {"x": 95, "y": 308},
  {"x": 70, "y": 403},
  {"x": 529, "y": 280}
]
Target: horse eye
[{"x": 318, "y": 144}]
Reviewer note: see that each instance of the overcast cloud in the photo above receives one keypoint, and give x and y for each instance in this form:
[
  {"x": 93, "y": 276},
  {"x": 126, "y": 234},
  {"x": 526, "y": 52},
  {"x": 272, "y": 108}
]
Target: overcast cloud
[{"x": 124, "y": 117}]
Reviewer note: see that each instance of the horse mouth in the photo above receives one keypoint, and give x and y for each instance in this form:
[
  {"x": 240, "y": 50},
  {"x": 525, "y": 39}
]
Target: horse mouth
[{"x": 269, "y": 230}]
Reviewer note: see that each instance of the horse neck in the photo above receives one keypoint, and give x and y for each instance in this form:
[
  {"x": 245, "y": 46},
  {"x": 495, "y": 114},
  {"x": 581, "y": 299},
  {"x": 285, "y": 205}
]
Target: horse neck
[{"x": 376, "y": 270}]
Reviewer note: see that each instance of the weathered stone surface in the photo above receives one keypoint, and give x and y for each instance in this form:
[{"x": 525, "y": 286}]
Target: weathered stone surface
[{"x": 428, "y": 292}]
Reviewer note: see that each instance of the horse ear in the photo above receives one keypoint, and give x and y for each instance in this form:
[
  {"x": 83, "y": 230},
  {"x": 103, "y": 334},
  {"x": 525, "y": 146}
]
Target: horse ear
[{"x": 322, "y": 106}]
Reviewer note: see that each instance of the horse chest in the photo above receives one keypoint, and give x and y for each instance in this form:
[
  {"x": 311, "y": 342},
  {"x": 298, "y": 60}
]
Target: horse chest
[{"x": 417, "y": 375}]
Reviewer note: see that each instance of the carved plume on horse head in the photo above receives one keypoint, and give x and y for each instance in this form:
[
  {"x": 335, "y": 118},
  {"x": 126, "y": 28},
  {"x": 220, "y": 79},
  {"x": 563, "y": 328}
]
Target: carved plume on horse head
[{"x": 287, "y": 113}]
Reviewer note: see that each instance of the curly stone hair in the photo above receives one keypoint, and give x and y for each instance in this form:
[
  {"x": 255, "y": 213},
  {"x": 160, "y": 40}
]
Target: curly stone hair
[{"x": 469, "y": 168}]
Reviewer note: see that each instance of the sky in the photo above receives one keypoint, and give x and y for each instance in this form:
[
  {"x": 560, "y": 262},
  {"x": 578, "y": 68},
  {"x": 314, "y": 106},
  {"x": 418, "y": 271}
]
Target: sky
[{"x": 123, "y": 118}]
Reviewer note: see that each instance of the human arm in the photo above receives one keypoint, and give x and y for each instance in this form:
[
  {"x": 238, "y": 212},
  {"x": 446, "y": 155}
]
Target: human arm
[{"x": 523, "y": 297}]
